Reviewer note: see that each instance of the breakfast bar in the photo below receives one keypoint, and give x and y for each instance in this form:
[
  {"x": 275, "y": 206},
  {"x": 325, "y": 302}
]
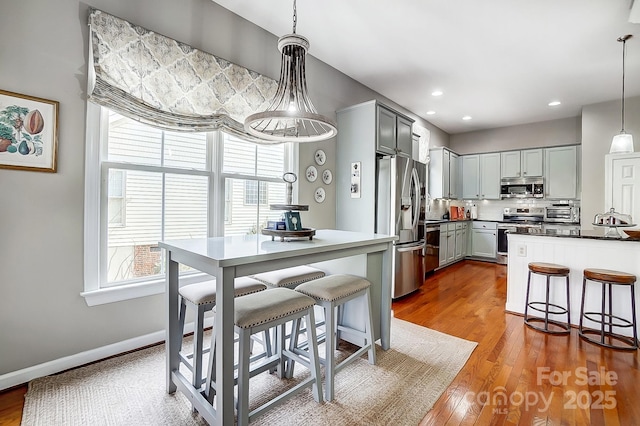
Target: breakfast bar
[
  {"x": 588, "y": 249},
  {"x": 228, "y": 257}
]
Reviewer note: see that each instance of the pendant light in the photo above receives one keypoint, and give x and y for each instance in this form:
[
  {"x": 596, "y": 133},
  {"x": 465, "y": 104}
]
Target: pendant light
[
  {"x": 623, "y": 142},
  {"x": 291, "y": 117}
]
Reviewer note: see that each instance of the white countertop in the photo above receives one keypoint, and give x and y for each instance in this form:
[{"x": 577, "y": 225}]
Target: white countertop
[{"x": 245, "y": 249}]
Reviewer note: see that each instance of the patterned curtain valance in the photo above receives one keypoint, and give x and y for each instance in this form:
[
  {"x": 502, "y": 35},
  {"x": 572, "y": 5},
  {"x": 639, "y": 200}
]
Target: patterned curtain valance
[{"x": 162, "y": 82}]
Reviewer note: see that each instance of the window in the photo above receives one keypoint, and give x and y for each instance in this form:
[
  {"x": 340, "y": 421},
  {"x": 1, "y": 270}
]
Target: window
[
  {"x": 116, "y": 213},
  {"x": 255, "y": 192},
  {"x": 160, "y": 185},
  {"x": 253, "y": 180}
]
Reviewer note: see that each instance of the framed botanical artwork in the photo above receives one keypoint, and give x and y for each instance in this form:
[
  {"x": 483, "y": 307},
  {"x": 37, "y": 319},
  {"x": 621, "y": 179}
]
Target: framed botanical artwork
[{"x": 28, "y": 132}]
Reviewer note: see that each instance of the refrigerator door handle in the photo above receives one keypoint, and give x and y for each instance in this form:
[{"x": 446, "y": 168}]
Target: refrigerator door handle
[
  {"x": 416, "y": 247},
  {"x": 418, "y": 200}
]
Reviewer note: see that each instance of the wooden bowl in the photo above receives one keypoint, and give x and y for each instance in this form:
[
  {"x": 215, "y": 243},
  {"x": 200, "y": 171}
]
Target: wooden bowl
[{"x": 632, "y": 233}]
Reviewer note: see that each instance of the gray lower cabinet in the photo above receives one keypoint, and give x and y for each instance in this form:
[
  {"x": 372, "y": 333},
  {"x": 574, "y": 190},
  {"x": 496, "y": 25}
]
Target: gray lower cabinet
[
  {"x": 462, "y": 230},
  {"x": 453, "y": 242},
  {"x": 484, "y": 239}
]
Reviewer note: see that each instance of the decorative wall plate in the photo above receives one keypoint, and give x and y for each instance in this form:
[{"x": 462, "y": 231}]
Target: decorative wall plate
[
  {"x": 311, "y": 173},
  {"x": 320, "y": 157},
  {"x": 327, "y": 176},
  {"x": 319, "y": 195}
]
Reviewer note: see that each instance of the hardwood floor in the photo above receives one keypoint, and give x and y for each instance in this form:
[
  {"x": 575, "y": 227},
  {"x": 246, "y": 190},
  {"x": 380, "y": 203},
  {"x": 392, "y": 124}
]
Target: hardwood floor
[
  {"x": 525, "y": 377},
  {"x": 516, "y": 375},
  {"x": 11, "y": 404}
]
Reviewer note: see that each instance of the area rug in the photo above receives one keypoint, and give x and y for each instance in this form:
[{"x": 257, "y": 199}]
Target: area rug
[{"x": 130, "y": 389}]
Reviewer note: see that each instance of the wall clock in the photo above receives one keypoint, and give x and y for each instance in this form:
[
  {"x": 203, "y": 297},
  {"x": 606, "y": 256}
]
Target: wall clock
[
  {"x": 320, "y": 157},
  {"x": 327, "y": 176},
  {"x": 311, "y": 173},
  {"x": 319, "y": 195}
]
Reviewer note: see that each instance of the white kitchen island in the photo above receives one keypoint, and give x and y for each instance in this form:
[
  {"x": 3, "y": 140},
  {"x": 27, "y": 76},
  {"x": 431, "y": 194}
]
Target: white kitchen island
[
  {"x": 577, "y": 252},
  {"x": 225, "y": 258}
]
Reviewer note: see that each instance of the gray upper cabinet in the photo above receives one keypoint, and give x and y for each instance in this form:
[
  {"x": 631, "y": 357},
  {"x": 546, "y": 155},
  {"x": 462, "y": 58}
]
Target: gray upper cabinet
[
  {"x": 444, "y": 169},
  {"x": 364, "y": 131},
  {"x": 531, "y": 162},
  {"x": 561, "y": 172},
  {"x": 490, "y": 176},
  {"x": 404, "y": 132},
  {"x": 510, "y": 164},
  {"x": 481, "y": 176},
  {"x": 395, "y": 133},
  {"x": 525, "y": 163},
  {"x": 471, "y": 176},
  {"x": 386, "y": 142}
]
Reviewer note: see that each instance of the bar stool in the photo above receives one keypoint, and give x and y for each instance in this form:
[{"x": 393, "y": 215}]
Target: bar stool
[
  {"x": 605, "y": 317},
  {"x": 548, "y": 270},
  {"x": 332, "y": 292},
  {"x": 201, "y": 297},
  {"x": 289, "y": 277},
  {"x": 256, "y": 313}
]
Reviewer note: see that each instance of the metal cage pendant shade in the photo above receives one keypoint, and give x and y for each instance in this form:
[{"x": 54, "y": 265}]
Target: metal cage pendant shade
[
  {"x": 291, "y": 117},
  {"x": 623, "y": 142}
]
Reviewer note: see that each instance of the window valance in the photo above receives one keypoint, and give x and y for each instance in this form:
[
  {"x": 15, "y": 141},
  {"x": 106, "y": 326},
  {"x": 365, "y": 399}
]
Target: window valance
[{"x": 162, "y": 82}]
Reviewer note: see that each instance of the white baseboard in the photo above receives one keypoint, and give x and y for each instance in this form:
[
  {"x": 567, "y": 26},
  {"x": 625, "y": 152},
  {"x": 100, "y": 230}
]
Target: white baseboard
[{"x": 24, "y": 375}]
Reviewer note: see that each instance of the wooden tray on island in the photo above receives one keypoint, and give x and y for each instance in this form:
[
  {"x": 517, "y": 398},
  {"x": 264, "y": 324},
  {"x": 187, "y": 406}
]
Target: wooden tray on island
[{"x": 303, "y": 233}]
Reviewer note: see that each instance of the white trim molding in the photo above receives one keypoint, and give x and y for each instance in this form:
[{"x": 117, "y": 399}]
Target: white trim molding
[{"x": 19, "y": 377}]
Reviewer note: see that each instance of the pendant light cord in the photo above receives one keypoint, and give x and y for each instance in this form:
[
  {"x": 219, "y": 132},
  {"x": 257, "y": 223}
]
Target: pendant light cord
[
  {"x": 295, "y": 17},
  {"x": 623, "y": 39},
  {"x": 624, "y": 47}
]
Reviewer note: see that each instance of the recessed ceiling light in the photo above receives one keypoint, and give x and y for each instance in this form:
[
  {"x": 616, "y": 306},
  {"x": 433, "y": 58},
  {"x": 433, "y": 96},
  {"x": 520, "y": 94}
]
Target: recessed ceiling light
[
  {"x": 466, "y": 117},
  {"x": 430, "y": 112},
  {"x": 436, "y": 93},
  {"x": 554, "y": 103}
]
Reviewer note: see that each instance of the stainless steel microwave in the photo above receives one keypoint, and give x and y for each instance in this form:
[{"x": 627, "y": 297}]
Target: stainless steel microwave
[{"x": 522, "y": 187}]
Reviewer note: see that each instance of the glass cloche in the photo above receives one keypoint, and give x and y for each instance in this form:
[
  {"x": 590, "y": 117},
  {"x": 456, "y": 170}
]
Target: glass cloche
[{"x": 613, "y": 220}]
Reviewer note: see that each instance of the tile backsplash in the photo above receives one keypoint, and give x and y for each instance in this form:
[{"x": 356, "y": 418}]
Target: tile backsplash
[{"x": 487, "y": 209}]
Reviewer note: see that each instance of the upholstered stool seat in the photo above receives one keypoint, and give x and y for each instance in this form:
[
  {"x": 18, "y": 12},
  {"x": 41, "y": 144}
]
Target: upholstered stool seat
[
  {"x": 201, "y": 297},
  {"x": 255, "y": 313},
  {"x": 548, "y": 270},
  {"x": 332, "y": 292},
  {"x": 289, "y": 277},
  {"x": 605, "y": 317}
]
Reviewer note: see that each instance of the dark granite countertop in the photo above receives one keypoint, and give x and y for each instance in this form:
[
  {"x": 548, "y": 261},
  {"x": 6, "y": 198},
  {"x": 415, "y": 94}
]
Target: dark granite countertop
[
  {"x": 436, "y": 221},
  {"x": 598, "y": 234}
]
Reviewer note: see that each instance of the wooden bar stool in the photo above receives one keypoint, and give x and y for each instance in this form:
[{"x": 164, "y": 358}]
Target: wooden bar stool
[
  {"x": 605, "y": 317},
  {"x": 256, "y": 313},
  {"x": 332, "y": 292},
  {"x": 548, "y": 270},
  {"x": 200, "y": 298}
]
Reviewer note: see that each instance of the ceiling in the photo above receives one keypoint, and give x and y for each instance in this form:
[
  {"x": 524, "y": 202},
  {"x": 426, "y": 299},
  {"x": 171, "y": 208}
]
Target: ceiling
[{"x": 499, "y": 61}]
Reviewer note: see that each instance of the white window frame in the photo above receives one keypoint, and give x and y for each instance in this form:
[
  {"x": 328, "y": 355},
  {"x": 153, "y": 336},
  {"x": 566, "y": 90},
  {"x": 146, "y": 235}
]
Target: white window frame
[
  {"x": 94, "y": 208},
  {"x": 123, "y": 198}
]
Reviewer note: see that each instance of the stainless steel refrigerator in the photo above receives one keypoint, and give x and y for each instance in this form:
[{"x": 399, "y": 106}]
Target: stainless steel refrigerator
[{"x": 398, "y": 203}]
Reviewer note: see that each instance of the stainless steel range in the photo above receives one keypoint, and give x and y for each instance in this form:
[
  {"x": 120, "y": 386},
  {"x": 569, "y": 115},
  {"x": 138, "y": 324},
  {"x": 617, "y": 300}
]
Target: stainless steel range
[{"x": 517, "y": 219}]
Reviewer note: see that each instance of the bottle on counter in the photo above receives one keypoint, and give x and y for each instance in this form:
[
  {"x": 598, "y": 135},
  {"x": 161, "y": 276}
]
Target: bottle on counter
[
  {"x": 468, "y": 214},
  {"x": 474, "y": 212}
]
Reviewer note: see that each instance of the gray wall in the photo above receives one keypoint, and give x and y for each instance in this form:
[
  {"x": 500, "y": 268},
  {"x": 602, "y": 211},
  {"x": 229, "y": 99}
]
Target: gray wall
[
  {"x": 44, "y": 54},
  {"x": 600, "y": 122},
  {"x": 564, "y": 131}
]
